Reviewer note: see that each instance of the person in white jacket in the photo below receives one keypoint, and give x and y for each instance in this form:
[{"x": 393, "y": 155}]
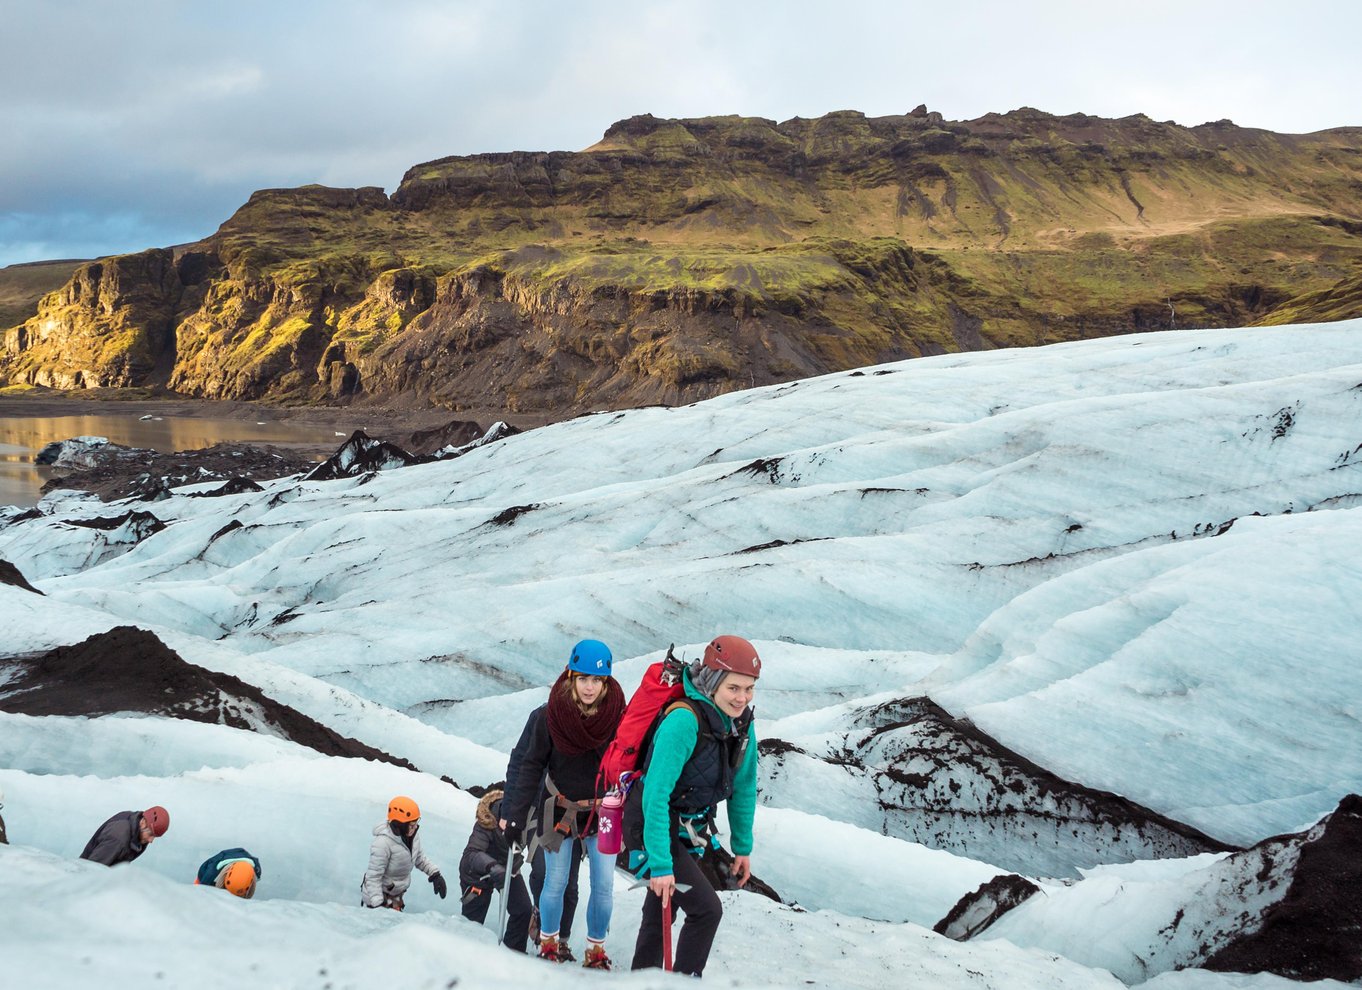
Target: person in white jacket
[{"x": 395, "y": 850}]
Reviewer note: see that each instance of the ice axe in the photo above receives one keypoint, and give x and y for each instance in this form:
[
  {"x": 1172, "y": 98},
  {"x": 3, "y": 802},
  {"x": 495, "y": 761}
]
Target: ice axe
[
  {"x": 680, "y": 888},
  {"x": 667, "y": 934},
  {"x": 505, "y": 891}
]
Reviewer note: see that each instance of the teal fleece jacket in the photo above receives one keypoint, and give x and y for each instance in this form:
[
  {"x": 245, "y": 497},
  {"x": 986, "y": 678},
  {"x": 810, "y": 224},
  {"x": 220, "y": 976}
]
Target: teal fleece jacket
[{"x": 673, "y": 744}]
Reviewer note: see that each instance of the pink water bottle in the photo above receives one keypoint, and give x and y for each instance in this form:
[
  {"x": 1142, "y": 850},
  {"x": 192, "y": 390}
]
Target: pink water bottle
[{"x": 610, "y": 824}]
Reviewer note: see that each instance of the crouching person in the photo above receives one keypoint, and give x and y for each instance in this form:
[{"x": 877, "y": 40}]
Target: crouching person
[
  {"x": 233, "y": 870},
  {"x": 482, "y": 870},
  {"x": 126, "y": 836},
  {"x": 396, "y": 849},
  {"x": 704, "y": 751}
]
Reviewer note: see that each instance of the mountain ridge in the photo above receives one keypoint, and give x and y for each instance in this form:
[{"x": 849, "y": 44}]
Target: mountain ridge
[{"x": 677, "y": 259}]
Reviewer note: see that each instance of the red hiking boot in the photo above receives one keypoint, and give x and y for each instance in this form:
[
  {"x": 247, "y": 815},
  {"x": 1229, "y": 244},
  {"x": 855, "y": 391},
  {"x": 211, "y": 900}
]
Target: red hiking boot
[
  {"x": 596, "y": 957},
  {"x": 551, "y": 950}
]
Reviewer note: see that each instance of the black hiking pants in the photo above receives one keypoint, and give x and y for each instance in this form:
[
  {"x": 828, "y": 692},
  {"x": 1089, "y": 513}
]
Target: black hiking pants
[
  {"x": 517, "y": 913},
  {"x": 569, "y": 895},
  {"x": 703, "y": 911}
]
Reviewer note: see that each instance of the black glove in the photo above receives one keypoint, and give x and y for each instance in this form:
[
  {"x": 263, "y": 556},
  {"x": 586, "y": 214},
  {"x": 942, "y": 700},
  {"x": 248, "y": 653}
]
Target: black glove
[
  {"x": 514, "y": 832},
  {"x": 498, "y": 876},
  {"x": 438, "y": 882}
]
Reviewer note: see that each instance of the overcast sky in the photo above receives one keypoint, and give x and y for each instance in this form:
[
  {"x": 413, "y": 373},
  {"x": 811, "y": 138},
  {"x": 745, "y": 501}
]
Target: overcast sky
[{"x": 127, "y": 124}]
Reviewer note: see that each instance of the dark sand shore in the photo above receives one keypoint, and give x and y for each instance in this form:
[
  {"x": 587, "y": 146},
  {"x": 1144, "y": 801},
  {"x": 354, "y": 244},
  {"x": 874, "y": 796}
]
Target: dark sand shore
[
  {"x": 120, "y": 471},
  {"x": 383, "y": 422}
]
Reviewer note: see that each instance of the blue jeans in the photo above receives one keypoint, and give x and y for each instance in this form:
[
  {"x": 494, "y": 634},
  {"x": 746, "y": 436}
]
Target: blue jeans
[{"x": 557, "y": 866}]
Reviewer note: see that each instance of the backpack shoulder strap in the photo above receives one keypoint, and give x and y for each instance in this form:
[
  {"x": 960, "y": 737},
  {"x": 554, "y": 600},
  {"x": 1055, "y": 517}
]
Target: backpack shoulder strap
[
  {"x": 703, "y": 728},
  {"x": 650, "y": 737},
  {"x": 678, "y": 703},
  {"x": 701, "y": 723}
]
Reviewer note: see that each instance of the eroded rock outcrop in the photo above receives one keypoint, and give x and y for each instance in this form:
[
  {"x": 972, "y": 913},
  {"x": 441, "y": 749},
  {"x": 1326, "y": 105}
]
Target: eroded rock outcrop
[
  {"x": 9, "y": 574},
  {"x": 1315, "y": 931},
  {"x": 362, "y": 454},
  {"x": 1289, "y": 905},
  {"x": 977, "y": 910},
  {"x": 130, "y": 670},
  {"x": 909, "y": 769}
]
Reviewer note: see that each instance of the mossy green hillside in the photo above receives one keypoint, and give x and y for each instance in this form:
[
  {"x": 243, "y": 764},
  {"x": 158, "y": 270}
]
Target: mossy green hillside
[{"x": 677, "y": 258}]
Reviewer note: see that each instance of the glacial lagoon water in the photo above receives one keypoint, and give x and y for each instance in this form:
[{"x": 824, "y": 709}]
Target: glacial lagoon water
[{"x": 21, "y": 437}]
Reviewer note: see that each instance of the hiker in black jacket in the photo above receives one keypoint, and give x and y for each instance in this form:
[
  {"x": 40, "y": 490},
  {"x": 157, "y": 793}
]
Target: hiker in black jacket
[
  {"x": 126, "y": 836},
  {"x": 482, "y": 870},
  {"x": 537, "y": 863},
  {"x": 555, "y": 785}
]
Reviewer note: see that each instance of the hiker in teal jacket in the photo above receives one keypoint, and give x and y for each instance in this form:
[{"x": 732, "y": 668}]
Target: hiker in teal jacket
[{"x": 704, "y": 751}]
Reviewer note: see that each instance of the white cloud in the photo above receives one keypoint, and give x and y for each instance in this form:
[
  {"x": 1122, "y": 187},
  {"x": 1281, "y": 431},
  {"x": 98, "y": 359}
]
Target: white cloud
[{"x": 120, "y": 103}]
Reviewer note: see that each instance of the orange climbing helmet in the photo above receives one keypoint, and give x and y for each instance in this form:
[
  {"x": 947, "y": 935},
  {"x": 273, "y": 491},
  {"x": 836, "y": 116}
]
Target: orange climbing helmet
[
  {"x": 239, "y": 878},
  {"x": 403, "y": 809}
]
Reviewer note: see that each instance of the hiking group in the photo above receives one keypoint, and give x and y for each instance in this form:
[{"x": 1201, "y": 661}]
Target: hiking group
[
  {"x": 591, "y": 778},
  {"x": 684, "y": 744}
]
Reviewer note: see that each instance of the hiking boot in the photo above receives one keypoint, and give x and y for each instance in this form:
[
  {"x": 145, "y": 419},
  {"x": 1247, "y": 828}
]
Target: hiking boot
[
  {"x": 551, "y": 950},
  {"x": 596, "y": 957}
]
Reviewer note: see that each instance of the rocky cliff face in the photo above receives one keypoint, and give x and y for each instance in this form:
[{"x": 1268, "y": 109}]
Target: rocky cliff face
[
  {"x": 680, "y": 258},
  {"x": 907, "y": 768},
  {"x": 111, "y": 325}
]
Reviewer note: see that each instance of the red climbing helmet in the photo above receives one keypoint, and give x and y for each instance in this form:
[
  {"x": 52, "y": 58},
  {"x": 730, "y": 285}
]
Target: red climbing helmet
[
  {"x": 157, "y": 819},
  {"x": 734, "y": 655}
]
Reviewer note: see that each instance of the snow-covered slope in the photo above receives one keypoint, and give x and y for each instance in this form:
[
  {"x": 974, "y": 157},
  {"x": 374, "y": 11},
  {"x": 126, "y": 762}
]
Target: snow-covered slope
[
  {"x": 306, "y": 817},
  {"x": 84, "y": 924},
  {"x": 1050, "y": 523},
  {"x": 1131, "y": 562}
]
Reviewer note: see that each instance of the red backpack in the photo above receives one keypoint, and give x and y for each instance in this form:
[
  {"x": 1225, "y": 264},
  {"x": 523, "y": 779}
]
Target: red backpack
[{"x": 661, "y": 686}]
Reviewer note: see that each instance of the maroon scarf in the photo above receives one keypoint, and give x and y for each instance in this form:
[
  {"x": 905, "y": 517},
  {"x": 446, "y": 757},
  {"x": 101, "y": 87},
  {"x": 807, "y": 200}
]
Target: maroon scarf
[{"x": 574, "y": 733}]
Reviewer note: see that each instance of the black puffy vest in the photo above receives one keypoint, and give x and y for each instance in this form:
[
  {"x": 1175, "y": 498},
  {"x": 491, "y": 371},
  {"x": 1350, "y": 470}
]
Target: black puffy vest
[{"x": 707, "y": 777}]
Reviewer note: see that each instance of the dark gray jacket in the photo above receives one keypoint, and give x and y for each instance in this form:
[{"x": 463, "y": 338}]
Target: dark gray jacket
[
  {"x": 483, "y": 863},
  {"x": 118, "y": 840}
]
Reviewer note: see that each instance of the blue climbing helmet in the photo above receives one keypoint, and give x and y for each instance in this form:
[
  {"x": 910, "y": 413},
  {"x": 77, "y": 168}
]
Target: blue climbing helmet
[{"x": 591, "y": 657}]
